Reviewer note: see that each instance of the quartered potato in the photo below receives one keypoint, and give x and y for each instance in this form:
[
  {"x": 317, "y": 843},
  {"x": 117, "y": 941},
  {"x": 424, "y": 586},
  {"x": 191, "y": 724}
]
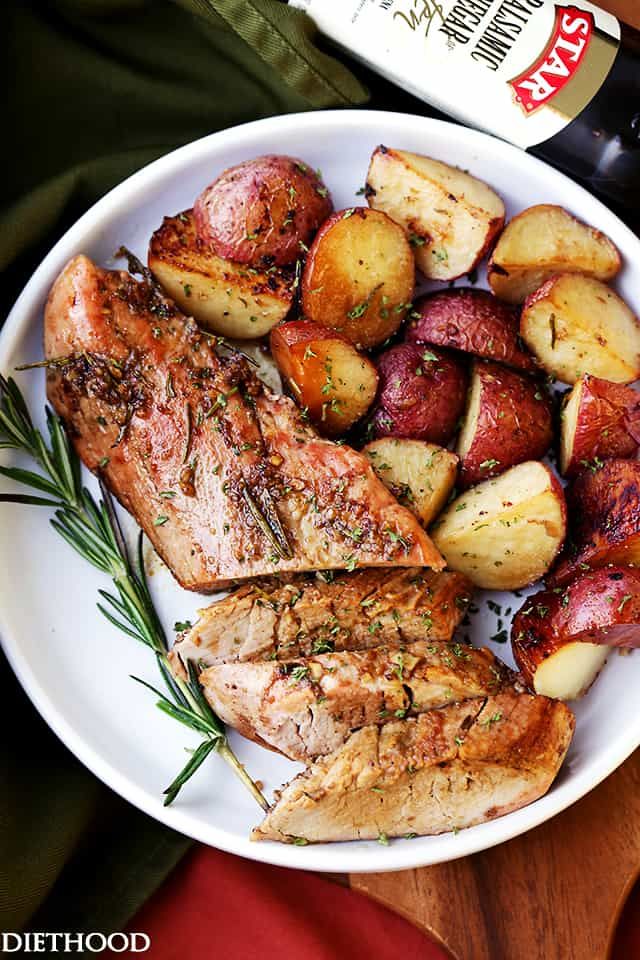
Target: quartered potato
[
  {"x": 359, "y": 275},
  {"x": 604, "y": 510},
  {"x": 229, "y": 299},
  {"x": 600, "y": 420},
  {"x": 561, "y": 638},
  {"x": 327, "y": 376},
  {"x": 451, "y": 217},
  {"x": 544, "y": 240},
  {"x": 420, "y": 475},
  {"x": 507, "y": 421},
  {"x": 474, "y": 321},
  {"x": 505, "y": 533},
  {"x": 575, "y": 324}
]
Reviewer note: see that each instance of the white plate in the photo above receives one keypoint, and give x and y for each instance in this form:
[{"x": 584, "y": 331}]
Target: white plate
[{"x": 75, "y": 666}]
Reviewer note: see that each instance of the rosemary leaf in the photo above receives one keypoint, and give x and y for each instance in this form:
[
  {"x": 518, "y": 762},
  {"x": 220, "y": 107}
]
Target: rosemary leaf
[{"x": 197, "y": 758}]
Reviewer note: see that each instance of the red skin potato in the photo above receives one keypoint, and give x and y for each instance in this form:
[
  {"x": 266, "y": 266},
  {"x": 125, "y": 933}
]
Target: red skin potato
[
  {"x": 513, "y": 424},
  {"x": 419, "y": 397},
  {"x": 607, "y": 423},
  {"x": 602, "y": 606},
  {"x": 473, "y": 321},
  {"x": 261, "y": 211},
  {"x": 604, "y": 506},
  {"x": 326, "y": 373}
]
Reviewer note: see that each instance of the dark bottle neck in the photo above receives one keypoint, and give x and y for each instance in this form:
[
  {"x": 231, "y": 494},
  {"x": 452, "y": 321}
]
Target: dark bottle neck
[{"x": 601, "y": 147}]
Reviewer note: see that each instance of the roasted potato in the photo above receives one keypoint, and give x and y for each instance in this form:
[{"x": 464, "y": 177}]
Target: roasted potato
[
  {"x": 263, "y": 211},
  {"x": 507, "y": 421},
  {"x": 575, "y": 324},
  {"x": 230, "y": 299},
  {"x": 600, "y": 420},
  {"x": 420, "y": 475},
  {"x": 451, "y": 217},
  {"x": 471, "y": 320},
  {"x": 421, "y": 393},
  {"x": 560, "y": 638},
  {"x": 359, "y": 275},
  {"x": 544, "y": 240},
  {"x": 604, "y": 512},
  {"x": 326, "y": 374},
  {"x": 504, "y": 533}
]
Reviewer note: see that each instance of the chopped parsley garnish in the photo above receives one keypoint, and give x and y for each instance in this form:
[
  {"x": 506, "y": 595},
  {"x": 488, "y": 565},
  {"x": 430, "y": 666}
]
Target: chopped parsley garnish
[{"x": 298, "y": 674}]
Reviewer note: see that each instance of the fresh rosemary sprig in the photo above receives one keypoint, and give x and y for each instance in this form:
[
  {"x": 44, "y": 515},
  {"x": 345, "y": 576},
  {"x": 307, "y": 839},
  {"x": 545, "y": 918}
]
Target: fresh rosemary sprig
[{"x": 93, "y": 530}]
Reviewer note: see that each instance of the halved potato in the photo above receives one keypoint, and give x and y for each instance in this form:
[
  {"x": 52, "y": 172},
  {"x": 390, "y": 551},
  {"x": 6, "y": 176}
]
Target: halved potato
[
  {"x": 604, "y": 510},
  {"x": 544, "y": 240},
  {"x": 229, "y": 299},
  {"x": 600, "y": 420},
  {"x": 507, "y": 421},
  {"x": 560, "y": 638},
  {"x": 505, "y": 533},
  {"x": 359, "y": 275},
  {"x": 575, "y": 324},
  {"x": 263, "y": 211},
  {"x": 474, "y": 321},
  {"x": 326, "y": 374},
  {"x": 420, "y": 475},
  {"x": 451, "y": 217}
]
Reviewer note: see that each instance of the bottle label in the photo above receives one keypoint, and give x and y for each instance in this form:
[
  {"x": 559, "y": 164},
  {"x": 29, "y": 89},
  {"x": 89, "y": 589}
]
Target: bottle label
[{"x": 521, "y": 69}]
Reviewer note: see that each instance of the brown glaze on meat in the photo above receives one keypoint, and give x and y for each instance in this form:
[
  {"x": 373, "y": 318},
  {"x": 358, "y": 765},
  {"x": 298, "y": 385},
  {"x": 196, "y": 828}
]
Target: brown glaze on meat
[
  {"x": 226, "y": 479},
  {"x": 270, "y": 620},
  {"x": 307, "y": 708},
  {"x": 445, "y": 770}
]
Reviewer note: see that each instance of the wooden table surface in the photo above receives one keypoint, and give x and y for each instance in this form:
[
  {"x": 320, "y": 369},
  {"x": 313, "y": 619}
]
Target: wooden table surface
[{"x": 554, "y": 893}]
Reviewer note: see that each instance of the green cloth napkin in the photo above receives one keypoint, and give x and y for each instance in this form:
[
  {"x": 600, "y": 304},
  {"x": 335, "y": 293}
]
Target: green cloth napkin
[{"x": 95, "y": 89}]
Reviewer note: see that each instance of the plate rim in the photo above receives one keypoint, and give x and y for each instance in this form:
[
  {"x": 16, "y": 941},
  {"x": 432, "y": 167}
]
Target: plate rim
[{"x": 334, "y": 857}]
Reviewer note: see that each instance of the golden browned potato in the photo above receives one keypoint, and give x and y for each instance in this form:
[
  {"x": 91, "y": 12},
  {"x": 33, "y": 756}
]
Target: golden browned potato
[
  {"x": 507, "y": 421},
  {"x": 326, "y": 374},
  {"x": 560, "y": 638},
  {"x": 600, "y": 420},
  {"x": 359, "y": 275},
  {"x": 575, "y": 324},
  {"x": 263, "y": 212},
  {"x": 451, "y": 217},
  {"x": 604, "y": 514},
  {"x": 229, "y": 299},
  {"x": 420, "y": 475},
  {"x": 544, "y": 240},
  {"x": 505, "y": 533}
]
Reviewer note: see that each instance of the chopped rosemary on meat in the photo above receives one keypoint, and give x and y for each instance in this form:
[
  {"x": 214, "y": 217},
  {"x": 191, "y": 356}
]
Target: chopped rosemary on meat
[{"x": 92, "y": 528}]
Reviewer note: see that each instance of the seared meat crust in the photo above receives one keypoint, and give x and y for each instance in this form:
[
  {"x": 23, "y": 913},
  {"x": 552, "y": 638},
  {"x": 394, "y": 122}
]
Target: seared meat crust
[
  {"x": 226, "y": 479},
  {"x": 271, "y": 620},
  {"x": 445, "y": 770},
  {"x": 307, "y": 708}
]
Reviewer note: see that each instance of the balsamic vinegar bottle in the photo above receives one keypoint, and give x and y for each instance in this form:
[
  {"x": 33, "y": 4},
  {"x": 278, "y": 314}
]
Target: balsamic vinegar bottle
[{"x": 561, "y": 80}]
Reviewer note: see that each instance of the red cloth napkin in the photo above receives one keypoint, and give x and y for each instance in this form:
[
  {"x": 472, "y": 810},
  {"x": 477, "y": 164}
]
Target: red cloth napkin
[{"x": 217, "y": 905}]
